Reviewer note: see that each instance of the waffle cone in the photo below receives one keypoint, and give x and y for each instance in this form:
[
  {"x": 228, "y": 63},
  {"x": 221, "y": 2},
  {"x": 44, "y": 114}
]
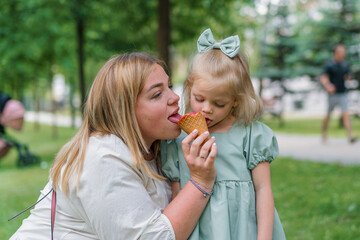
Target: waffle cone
[{"x": 190, "y": 122}]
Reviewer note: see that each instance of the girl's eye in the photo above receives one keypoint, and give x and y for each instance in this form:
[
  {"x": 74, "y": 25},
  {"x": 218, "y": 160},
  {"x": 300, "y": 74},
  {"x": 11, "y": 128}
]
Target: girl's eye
[
  {"x": 171, "y": 86},
  {"x": 220, "y": 105},
  {"x": 198, "y": 99}
]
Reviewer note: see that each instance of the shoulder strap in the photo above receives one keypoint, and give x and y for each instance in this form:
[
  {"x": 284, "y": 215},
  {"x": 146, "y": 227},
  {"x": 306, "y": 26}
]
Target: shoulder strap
[
  {"x": 30, "y": 206},
  {"x": 53, "y": 211}
]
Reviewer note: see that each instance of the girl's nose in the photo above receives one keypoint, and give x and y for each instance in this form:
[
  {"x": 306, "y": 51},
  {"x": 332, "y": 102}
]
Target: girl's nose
[
  {"x": 206, "y": 108},
  {"x": 174, "y": 98}
]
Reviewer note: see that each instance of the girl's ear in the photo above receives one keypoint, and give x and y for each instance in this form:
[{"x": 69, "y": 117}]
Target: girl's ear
[
  {"x": 187, "y": 83},
  {"x": 235, "y": 103}
]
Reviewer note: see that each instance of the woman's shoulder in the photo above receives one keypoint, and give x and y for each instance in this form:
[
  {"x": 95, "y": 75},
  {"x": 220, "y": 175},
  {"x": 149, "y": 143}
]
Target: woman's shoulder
[
  {"x": 107, "y": 155},
  {"x": 108, "y": 141},
  {"x": 105, "y": 146}
]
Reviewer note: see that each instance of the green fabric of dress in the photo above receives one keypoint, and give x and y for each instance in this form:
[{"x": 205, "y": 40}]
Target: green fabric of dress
[{"x": 230, "y": 213}]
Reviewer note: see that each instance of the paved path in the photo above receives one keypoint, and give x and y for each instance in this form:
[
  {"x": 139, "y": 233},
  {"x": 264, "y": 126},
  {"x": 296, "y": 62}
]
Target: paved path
[
  {"x": 311, "y": 148},
  {"x": 297, "y": 146}
]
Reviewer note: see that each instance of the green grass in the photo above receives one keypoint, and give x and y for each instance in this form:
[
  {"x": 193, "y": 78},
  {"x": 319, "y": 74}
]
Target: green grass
[
  {"x": 314, "y": 200},
  {"x": 311, "y": 126},
  {"x": 317, "y": 200},
  {"x": 20, "y": 187},
  {"x": 41, "y": 142}
]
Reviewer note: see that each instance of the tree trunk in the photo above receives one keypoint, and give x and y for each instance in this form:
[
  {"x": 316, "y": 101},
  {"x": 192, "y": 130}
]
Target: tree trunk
[
  {"x": 53, "y": 104},
  {"x": 80, "y": 28},
  {"x": 260, "y": 87},
  {"x": 36, "y": 99},
  {"x": 163, "y": 33},
  {"x": 72, "y": 107}
]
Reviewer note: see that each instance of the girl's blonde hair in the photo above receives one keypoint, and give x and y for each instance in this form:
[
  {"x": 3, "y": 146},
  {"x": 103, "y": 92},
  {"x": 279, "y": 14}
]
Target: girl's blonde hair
[
  {"x": 218, "y": 69},
  {"x": 110, "y": 109}
]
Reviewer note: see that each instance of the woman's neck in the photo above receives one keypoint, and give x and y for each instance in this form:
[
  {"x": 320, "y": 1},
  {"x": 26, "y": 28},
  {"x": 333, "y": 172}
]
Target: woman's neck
[{"x": 149, "y": 155}]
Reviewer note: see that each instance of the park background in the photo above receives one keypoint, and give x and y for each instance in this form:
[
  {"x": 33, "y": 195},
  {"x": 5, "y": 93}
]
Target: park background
[{"x": 51, "y": 50}]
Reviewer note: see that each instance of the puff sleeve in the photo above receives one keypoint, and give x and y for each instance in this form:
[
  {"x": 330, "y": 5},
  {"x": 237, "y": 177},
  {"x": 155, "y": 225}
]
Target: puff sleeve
[
  {"x": 170, "y": 160},
  {"x": 261, "y": 145}
]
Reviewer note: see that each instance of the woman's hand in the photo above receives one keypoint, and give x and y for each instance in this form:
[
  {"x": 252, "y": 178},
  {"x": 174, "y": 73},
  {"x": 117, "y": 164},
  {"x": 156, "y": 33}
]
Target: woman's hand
[
  {"x": 186, "y": 208},
  {"x": 200, "y": 158}
]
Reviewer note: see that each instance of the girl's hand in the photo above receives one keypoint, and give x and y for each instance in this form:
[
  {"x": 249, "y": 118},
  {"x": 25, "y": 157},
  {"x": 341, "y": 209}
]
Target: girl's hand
[{"x": 200, "y": 158}]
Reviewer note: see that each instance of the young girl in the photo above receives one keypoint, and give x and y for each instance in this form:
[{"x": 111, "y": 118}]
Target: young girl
[{"x": 242, "y": 204}]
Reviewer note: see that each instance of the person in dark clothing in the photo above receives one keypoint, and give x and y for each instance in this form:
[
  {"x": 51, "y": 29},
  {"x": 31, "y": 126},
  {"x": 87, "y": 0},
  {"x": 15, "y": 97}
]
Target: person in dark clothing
[{"x": 336, "y": 72}]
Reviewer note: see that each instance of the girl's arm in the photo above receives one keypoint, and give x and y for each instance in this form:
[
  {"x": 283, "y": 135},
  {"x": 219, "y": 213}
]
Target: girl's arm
[
  {"x": 264, "y": 200},
  {"x": 175, "y": 188}
]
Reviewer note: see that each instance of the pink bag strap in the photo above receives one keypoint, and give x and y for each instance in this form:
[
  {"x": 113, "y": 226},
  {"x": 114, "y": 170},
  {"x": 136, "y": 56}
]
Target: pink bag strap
[{"x": 53, "y": 211}]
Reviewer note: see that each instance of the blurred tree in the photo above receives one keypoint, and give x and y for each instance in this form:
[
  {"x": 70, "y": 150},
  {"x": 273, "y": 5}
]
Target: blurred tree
[
  {"x": 322, "y": 25},
  {"x": 14, "y": 77},
  {"x": 44, "y": 37},
  {"x": 224, "y": 17},
  {"x": 277, "y": 43},
  {"x": 79, "y": 17},
  {"x": 163, "y": 31}
]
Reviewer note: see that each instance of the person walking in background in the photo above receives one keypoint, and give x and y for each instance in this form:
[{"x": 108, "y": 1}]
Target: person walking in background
[
  {"x": 242, "y": 204},
  {"x": 335, "y": 73}
]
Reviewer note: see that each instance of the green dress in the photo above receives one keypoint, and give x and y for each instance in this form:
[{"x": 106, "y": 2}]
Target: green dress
[{"x": 231, "y": 211}]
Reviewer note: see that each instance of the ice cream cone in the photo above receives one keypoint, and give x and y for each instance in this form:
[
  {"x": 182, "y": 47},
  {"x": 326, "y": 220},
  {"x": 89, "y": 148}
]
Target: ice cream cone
[{"x": 191, "y": 121}]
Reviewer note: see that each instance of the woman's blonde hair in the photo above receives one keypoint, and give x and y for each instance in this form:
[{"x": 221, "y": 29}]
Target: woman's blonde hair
[
  {"x": 218, "y": 69},
  {"x": 109, "y": 109}
]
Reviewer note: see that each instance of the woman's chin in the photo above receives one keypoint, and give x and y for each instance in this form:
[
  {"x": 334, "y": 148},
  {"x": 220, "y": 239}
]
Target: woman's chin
[{"x": 173, "y": 133}]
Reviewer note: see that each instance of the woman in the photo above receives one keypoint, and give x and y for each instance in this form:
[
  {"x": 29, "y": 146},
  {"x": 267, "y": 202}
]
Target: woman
[{"x": 106, "y": 178}]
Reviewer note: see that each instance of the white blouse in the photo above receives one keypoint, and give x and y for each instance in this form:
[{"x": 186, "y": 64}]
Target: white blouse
[{"x": 114, "y": 200}]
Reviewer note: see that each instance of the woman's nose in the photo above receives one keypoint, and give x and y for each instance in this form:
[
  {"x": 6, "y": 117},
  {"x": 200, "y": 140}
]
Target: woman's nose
[{"x": 174, "y": 98}]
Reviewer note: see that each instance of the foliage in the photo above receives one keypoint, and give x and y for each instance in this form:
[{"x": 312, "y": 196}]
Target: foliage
[
  {"x": 34, "y": 38},
  {"x": 292, "y": 39},
  {"x": 297, "y": 37},
  {"x": 225, "y": 18},
  {"x": 319, "y": 30},
  {"x": 277, "y": 43}
]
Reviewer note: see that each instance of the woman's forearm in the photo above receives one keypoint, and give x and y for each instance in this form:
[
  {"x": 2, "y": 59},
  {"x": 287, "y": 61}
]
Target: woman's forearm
[
  {"x": 265, "y": 213},
  {"x": 185, "y": 210}
]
